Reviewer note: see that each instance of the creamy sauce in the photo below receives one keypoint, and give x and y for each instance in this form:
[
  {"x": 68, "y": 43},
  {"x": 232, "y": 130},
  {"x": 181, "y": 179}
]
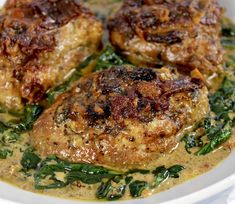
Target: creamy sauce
[{"x": 194, "y": 165}]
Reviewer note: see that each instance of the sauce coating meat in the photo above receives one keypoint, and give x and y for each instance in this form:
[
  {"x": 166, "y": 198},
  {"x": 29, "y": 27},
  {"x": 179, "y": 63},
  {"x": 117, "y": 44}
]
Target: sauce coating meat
[
  {"x": 181, "y": 32},
  {"x": 41, "y": 41},
  {"x": 121, "y": 116}
]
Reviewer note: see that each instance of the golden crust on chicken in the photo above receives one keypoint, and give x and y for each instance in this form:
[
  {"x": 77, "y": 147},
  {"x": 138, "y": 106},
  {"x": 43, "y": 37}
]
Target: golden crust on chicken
[
  {"x": 121, "y": 116},
  {"x": 185, "y": 33},
  {"x": 41, "y": 41}
]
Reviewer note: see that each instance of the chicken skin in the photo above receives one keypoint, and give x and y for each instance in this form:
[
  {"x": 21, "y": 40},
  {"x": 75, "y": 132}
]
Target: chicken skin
[
  {"x": 121, "y": 117},
  {"x": 41, "y": 42},
  {"x": 185, "y": 33}
]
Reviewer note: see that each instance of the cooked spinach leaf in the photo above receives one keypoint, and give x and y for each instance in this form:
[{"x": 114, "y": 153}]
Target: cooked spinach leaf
[
  {"x": 10, "y": 131},
  {"x": 223, "y": 101},
  {"x": 216, "y": 129},
  {"x": 228, "y": 37},
  {"x": 111, "y": 192},
  {"x": 228, "y": 31},
  {"x": 107, "y": 59},
  {"x": 53, "y": 172},
  {"x": 113, "y": 189},
  {"x": 29, "y": 160},
  {"x": 48, "y": 170},
  {"x": 230, "y": 63},
  {"x": 103, "y": 189},
  {"x": 3, "y": 127},
  {"x": 4, "y": 153},
  {"x": 137, "y": 187},
  {"x": 128, "y": 179},
  {"x": 162, "y": 173},
  {"x": 9, "y": 136},
  {"x": 191, "y": 141},
  {"x": 219, "y": 137},
  {"x": 175, "y": 170},
  {"x": 31, "y": 114}
]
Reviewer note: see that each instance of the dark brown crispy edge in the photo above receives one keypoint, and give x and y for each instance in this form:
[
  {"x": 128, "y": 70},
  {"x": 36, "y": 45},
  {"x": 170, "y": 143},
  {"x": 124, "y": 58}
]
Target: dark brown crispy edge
[
  {"x": 31, "y": 26},
  {"x": 163, "y": 15}
]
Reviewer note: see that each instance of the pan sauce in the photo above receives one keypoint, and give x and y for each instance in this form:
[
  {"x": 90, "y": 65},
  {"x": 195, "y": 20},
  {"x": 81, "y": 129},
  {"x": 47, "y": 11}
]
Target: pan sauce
[{"x": 194, "y": 166}]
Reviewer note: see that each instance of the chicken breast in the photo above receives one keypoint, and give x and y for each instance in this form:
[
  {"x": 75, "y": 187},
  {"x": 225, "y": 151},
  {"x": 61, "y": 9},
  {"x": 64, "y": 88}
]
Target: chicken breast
[
  {"x": 181, "y": 32},
  {"x": 41, "y": 41},
  {"x": 121, "y": 117}
]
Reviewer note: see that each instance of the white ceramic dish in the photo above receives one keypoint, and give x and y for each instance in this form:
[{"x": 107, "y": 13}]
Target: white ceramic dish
[{"x": 192, "y": 191}]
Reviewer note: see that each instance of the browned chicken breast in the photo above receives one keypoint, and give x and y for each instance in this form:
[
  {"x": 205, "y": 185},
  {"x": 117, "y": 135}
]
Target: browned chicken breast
[
  {"x": 181, "y": 32},
  {"x": 121, "y": 116},
  {"x": 41, "y": 41}
]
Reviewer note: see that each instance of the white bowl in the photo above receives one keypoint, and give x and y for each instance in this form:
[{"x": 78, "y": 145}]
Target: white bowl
[{"x": 192, "y": 191}]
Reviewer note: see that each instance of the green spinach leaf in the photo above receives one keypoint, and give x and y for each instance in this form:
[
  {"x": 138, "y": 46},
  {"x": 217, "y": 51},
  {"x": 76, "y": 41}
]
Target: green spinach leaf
[
  {"x": 228, "y": 31},
  {"x": 31, "y": 114},
  {"x": 220, "y": 136},
  {"x": 161, "y": 174},
  {"x": 85, "y": 173},
  {"x": 216, "y": 129},
  {"x": 107, "y": 59},
  {"x": 30, "y": 160},
  {"x": 4, "y": 153},
  {"x": 175, "y": 170},
  {"x": 137, "y": 187},
  {"x": 10, "y": 132}
]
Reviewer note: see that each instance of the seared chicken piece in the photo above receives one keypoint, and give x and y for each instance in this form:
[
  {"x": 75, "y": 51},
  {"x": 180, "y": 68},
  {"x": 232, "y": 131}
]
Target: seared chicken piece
[
  {"x": 120, "y": 117},
  {"x": 181, "y": 32},
  {"x": 41, "y": 41}
]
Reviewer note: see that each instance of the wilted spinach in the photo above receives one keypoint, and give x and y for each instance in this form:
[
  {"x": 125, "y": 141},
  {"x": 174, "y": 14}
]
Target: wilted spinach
[
  {"x": 216, "y": 129},
  {"x": 192, "y": 141},
  {"x": 137, "y": 187},
  {"x": 162, "y": 173},
  {"x": 10, "y": 131},
  {"x": 29, "y": 159},
  {"x": 4, "y": 153},
  {"x": 228, "y": 43},
  {"x": 230, "y": 63},
  {"x": 53, "y": 172},
  {"x": 31, "y": 114},
  {"x": 228, "y": 31},
  {"x": 113, "y": 189},
  {"x": 228, "y": 37},
  {"x": 107, "y": 59},
  {"x": 86, "y": 173}
]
